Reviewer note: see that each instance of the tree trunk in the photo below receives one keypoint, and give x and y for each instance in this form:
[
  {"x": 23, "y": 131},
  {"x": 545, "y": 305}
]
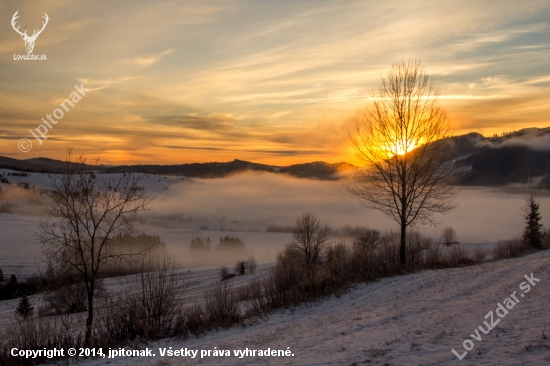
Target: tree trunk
[
  {"x": 90, "y": 318},
  {"x": 402, "y": 253}
]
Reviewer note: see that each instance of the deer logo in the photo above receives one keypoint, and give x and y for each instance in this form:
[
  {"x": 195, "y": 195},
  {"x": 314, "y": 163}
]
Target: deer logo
[{"x": 29, "y": 41}]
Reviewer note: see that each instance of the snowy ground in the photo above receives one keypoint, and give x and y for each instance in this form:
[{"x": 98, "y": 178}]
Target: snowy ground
[{"x": 409, "y": 320}]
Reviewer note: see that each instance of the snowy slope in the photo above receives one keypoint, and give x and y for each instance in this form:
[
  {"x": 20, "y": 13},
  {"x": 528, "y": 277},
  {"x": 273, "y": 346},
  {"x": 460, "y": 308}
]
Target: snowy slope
[{"x": 409, "y": 320}]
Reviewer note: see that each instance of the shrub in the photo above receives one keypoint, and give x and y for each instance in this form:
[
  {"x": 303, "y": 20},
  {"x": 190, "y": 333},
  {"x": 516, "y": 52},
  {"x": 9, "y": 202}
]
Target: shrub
[
  {"x": 225, "y": 274},
  {"x": 480, "y": 255},
  {"x": 251, "y": 265},
  {"x": 368, "y": 238},
  {"x": 433, "y": 257},
  {"x": 240, "y": 268},
  {"x": 256, "y": 303},
  {"x": 67, "y": 299},
  {"x": 149, "y": 306},
  {"x": 458, "y": 256},
  {"x": 337, "y": 265},
  {"x": 221, "y": 306}
]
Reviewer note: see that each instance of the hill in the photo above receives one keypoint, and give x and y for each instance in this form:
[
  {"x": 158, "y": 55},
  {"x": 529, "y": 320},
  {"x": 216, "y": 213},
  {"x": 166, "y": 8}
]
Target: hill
[{"x": 516, "y": 157}]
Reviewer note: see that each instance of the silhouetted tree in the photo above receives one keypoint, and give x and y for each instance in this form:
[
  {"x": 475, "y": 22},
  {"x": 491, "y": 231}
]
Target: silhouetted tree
[
  {"x": 310, "y": 239},
  {"x": 25, "y": 310},
  {"x": 448, "y": 236},
  {"x": 532, "y": 235},
  {"x": 87, "y": 212},
  {"x": 401, "y": 141},
  {"x": 251, "y": 265}
]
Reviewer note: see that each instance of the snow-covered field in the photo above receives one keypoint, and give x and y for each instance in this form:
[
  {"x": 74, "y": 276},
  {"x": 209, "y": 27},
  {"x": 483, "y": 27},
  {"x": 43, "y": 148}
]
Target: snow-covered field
[{"x": 409, "y": 320}]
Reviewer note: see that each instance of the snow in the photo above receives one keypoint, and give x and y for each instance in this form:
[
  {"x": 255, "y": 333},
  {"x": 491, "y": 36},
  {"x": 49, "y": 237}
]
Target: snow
[
  {"x": 408, "y": 320},
  {"x": 414, "y": 319}
]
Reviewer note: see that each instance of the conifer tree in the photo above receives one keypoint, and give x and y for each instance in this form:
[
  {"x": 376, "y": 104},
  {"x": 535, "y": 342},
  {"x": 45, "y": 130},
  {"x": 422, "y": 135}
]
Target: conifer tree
[
  {"x": 532, "y": 235},
  {"x": 25, "y": 310}
]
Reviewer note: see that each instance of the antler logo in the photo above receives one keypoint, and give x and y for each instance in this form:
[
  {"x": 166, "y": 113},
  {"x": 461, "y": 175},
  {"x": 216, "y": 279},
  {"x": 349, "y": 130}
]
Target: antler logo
[{"x": 29, "y": 41}]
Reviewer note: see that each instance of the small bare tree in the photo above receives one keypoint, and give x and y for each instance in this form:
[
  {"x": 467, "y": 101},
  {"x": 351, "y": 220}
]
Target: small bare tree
[
  {"x": 401, "y": 140},
  {"x": 310, "y": 239},
  {"x": 87, "y": 211},
  {"x": 448, "y": 236}
]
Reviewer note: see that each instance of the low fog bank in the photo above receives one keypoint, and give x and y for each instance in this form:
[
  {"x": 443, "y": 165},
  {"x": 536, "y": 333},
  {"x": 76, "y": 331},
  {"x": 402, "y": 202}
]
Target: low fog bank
[
  {"x": 244, "y": 205},
  {"x": 252, "y": 201}
]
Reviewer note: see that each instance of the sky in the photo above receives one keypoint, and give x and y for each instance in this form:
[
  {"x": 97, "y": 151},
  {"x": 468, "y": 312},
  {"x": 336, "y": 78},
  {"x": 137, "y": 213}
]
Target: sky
[{"x": 276, "y": 82}]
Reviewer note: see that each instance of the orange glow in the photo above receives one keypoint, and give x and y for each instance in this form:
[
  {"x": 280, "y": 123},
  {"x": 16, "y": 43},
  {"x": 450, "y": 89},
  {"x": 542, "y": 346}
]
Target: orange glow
[{"x": 401, "y": 147}]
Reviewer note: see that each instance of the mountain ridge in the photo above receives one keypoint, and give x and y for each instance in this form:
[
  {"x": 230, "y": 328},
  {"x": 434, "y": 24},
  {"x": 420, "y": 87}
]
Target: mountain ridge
[{"x": 521, "y": 156}]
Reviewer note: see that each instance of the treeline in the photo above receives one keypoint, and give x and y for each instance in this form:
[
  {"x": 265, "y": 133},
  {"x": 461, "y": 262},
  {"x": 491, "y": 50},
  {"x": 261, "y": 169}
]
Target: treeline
[
  {"x": 346, "y": 230},
  {"x": 198, "y": 244}
]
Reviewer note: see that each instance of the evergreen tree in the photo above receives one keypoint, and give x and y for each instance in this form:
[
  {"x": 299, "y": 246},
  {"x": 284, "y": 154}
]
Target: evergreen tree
[
  {"x": 24, "y": 309},
  {"x": 532, "y": 235}
]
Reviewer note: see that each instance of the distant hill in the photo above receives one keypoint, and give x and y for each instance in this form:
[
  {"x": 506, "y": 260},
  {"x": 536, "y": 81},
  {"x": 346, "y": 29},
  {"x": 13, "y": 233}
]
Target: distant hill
[
  {"x": 517, "y": 157},
  {"x": 315, "y": 170}
]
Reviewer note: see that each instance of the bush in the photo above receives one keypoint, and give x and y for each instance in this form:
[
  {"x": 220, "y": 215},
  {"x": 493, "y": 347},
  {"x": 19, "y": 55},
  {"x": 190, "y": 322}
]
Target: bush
[
  {"x": 433, "y": 257},
  {"x": 39, "y": 333},
  {"x": 222, "y": 307},
  {"x": 225, "y": 274},
  {"x": 243, "y": 267},
  {"x": 458, "y": 256},
  {"x": 515, "y": 247},
  {"x": 240, "y": 268},
  {"x": 149, "y": 305},
  {"x": 480, "y": 255},
  {"x": 251, "y": 265},
  {"x": 368, "y": 238},
  {"x": 67, "y": 299}
]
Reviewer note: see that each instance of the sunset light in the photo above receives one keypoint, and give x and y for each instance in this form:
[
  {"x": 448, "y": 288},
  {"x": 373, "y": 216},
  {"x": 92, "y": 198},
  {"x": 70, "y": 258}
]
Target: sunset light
[{"x": 279, "y": 88}]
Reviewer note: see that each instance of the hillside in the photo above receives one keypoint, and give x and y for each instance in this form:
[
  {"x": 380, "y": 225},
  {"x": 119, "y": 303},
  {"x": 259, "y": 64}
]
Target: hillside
[
  {"x": 415, "y": 319},
  {"x": 517, "y": 157}
]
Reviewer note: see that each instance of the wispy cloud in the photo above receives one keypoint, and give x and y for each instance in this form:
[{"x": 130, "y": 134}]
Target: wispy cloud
[
  {"x": 146, "y": 61},
  {"x": 264, "y": 79},
  {"x": 98, "y": 84}
]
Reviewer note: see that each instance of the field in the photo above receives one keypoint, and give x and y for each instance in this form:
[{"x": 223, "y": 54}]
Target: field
[{"x": 412, "y": 319}]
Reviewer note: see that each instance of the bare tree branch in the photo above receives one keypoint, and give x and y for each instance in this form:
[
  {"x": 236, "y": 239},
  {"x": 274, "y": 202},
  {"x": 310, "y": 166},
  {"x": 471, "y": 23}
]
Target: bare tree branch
[
  {"x": 401, "y": 141},
  {"x": 87, "y": 212}
]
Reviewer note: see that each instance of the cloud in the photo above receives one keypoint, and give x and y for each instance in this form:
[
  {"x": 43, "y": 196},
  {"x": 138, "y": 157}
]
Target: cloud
[
  {"x": 533, "y": 138},
  {"x": 214, "y": 121},
  {"x": 97, "y": 84},
  {"x": 146, "y": 61},
  {"x": 543, "y": 79}
]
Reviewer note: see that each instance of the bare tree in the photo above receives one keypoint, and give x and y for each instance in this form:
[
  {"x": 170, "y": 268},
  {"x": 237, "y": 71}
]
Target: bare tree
[
  {"x": 401, "y": 141},
  {"x": 310, "y": 239},
  {"x": 87, "y": 211},
  {"x": 448, "y": 236}
]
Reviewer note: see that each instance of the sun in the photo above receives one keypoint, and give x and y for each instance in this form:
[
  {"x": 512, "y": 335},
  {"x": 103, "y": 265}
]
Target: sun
[{"x": 401, "y": 147}]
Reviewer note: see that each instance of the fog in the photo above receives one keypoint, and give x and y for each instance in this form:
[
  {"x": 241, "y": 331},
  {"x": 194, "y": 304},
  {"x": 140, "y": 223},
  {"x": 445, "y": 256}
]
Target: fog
[
  {"x": 243, "y": 206},
  {"x": 251, "y": 201},
  {"x": 534, "y": 139}
]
